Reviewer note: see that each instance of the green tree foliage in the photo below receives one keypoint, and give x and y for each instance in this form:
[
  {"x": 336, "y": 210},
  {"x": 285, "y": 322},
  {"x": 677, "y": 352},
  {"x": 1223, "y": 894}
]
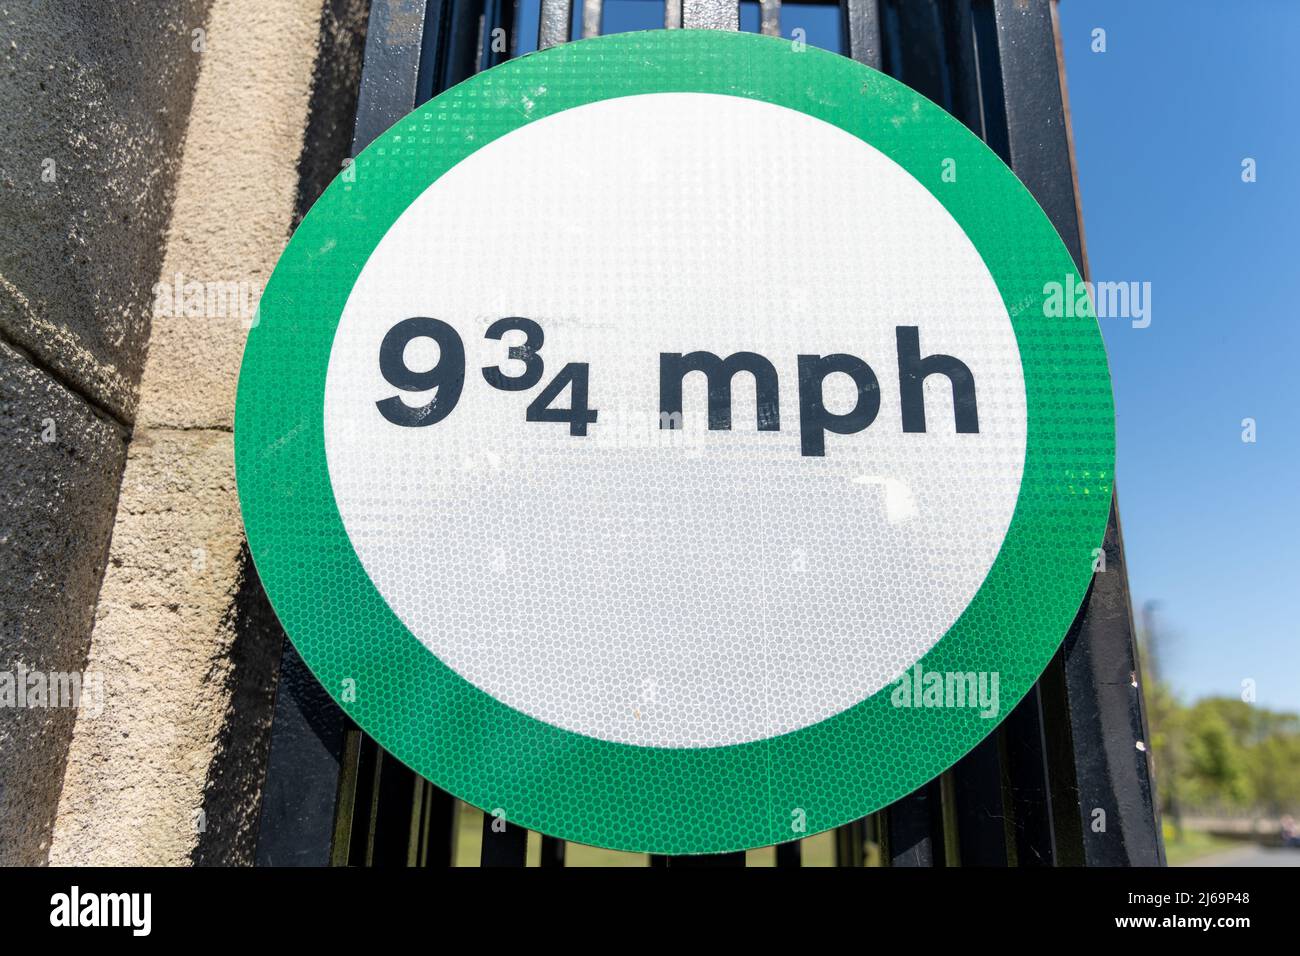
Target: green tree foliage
[{"x": 1223, "y": 754}]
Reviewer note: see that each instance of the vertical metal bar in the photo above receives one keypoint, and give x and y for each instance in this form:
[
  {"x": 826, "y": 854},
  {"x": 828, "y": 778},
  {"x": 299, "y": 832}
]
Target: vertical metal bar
[
  {"x": 556, "y": 23},
  {"x": 1029, "y": 798},
  {"x": 419, "y": 823},
  {"x": 1037, "y": 138},
  {"x": 1107, "y": 774},
  {"x": 438, "y": 828},
  {"x": 911, "y": 832},
  {"x": 504, "y": 844},
  {"x": 552, "y": 851},
  {"x": 988, "y": 65},
  {"x": 461, "y": 50},
  {"x": 673, "y": 14},
  {"x": 345, "y": 807},
  {"x": 498, "y": 33},
  {"x": 789, "y": 854},
  {"x": 914, "y": 48},
  {"x": 963, "y": 65},
  {"x": 769, "y": 22},
  {"x": 390, "y": 77},
  {"x": 1066, "y": 825},
  {"x": 296, "y": 824},
  {"x": 711, "y": 14},
  {"x": 361, "y": 827},
  {"x": 395, "y": 807},
  {"x": 860, "y": 27},
  {"x": 850, "y": 844},
  {"x": 948, "y": 819},
  {"x": 978, "y": 806},
  {"x": 356, "y": 821},
  {"x": 592, "y": 13},
  {"x": 875, "y": 825},
  {"x": 1103, "y": 710}
]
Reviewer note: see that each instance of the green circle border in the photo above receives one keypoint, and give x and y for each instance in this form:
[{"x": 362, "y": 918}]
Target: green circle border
[{"x": 648, "y": 799}]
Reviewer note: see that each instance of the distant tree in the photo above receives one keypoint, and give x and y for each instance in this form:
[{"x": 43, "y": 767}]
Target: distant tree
[
  {"x": 1217, "y": 769},
  {"x": 1275, "y": 764},
  {"x": 1219, "y": 752}
]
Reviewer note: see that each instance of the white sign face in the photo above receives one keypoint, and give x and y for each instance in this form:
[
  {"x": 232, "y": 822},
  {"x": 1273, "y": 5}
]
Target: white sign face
[{"x": 680, "y": 586}]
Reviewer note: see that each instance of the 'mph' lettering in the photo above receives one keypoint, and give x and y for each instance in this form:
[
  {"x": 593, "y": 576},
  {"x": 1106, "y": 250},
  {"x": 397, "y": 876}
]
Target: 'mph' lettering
[{"x": 813, "y": 370}]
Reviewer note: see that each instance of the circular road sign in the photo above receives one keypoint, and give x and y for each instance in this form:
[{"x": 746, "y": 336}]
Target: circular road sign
[{"x": 669, "y": 441}]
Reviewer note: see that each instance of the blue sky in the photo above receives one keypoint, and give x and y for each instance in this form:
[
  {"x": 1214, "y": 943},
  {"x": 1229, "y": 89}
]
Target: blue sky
[
  {"x": 821, "y": 22},
  {"x": 1162, "y": 121}
]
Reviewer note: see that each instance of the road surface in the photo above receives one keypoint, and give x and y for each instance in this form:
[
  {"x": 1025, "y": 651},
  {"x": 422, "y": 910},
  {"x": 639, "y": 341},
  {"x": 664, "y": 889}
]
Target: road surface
[{"x": 1251, "y": 855}]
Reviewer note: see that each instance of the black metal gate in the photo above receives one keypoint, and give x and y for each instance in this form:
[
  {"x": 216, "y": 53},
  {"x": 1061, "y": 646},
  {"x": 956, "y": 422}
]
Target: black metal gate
[{"x": 1066, "y": 779}]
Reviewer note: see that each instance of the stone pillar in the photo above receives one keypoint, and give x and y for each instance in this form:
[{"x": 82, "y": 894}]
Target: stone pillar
[
  {"x": 170, "y": 773},
  {"x": 94, "y": 98}
]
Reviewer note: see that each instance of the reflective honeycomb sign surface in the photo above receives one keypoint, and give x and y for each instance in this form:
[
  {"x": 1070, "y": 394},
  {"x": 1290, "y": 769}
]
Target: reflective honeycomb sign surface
[{"x": 673, "y": 441}]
